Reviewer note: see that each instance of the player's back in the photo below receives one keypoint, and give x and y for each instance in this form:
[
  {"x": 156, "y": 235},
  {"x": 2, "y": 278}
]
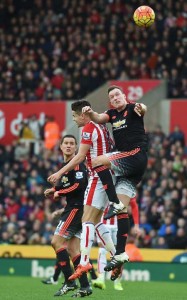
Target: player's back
[{"x": 99, "y": 139}]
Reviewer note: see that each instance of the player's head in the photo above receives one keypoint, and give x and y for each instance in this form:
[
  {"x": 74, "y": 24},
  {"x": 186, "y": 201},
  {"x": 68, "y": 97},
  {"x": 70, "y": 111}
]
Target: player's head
[
  {"x": 78, "y": 117},
  {"x": 68, "y": 145},
  {"x": 117, "y": 97}
]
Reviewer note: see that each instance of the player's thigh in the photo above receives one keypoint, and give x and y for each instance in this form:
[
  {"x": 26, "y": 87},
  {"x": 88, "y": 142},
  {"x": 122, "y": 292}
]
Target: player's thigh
[
  {"x": 125, "y": 189},
  {"x": 95, "y": 195},
  {"x": 129, "y": 164},
  {"x": 91, "y": 214},
  {"x": 101, "y": 160},
  {"x": 70, "y": 224}
]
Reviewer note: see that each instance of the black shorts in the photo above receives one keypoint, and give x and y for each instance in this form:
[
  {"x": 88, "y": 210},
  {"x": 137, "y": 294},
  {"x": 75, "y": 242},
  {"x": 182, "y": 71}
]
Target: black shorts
[
  {"x": 70, "y": 223},
  {"x": 129, "y": 165}
]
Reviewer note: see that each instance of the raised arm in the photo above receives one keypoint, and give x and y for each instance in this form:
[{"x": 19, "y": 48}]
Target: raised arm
[
  {"x": 78, "y": 158},
  {"x": 94, "y": 116},
  {"x": 140, "y": 109}
]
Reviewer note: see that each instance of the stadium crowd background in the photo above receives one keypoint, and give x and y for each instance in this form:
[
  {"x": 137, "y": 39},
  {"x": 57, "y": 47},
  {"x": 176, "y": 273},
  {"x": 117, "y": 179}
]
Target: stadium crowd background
[
  {"x": 25, "y": 215},
  {"x": 64, "y": 50}
]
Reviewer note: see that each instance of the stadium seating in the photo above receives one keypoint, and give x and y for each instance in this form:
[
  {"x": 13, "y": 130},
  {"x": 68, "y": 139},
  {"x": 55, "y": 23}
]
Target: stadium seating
[{"x": 66, "y": 49}]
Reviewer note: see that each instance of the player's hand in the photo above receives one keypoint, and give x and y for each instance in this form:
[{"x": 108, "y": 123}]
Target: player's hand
[
  {"x": 138, "y": 109},
  {"x": 54, "y": 177},
  {"x": 137, "y": 230},
  {"x": 48, "y": 192},
  {"x": 55, "y": 214},
  {"x": 56, "y": 195},
  {"x": 87, "y": 110}
]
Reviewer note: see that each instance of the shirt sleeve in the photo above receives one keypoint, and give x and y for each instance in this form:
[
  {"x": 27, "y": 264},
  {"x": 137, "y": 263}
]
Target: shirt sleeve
[
  {"x": 109, "y": 114},
  {"x": 131, "y": 106},
  {"x": 86, "y": 136}
]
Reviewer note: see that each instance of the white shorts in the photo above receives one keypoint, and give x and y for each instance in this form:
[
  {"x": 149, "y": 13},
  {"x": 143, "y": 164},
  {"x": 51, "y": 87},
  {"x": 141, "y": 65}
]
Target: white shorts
[
  {"x": 95, "y": 194},
  {"x": 123, "y": 187}
]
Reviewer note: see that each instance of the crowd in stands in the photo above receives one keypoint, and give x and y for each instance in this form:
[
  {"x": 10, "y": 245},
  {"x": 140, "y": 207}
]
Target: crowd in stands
[
  {"x": 55, "y": 49},
  {"x": 25, "y": 214}
]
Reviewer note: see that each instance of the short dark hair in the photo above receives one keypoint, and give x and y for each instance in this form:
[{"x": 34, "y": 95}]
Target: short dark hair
[
  {"x": 68, "y": 136},
  {"x": 112, "y": 87},
  {"x": 78, "y": 105}
]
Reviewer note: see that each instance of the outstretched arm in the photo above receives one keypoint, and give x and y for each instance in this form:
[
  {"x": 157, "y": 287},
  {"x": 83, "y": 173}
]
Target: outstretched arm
[
  {"x": 94, "y": 116},
  {"x": 78, "y": 158},
  {"x": 140, "y": 109}
]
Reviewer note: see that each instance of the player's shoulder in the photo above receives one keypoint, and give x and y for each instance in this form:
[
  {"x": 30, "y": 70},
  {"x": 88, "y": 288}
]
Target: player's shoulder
[
  {"x": 89, "y": 126},
  {"x": 131, "y": 105},
  {"x": 81, "y": 167},
  {"x": 81, "y": 171},
  {"x": 110, "y": 111}
]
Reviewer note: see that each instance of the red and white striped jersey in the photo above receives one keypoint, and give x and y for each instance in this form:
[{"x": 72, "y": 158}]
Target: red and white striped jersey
[
  {"x": 98, "y": 137},
  {"x": 111, "y": 221}
]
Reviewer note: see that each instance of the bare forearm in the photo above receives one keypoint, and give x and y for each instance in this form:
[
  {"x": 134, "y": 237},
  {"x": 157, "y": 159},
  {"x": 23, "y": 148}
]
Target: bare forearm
[{"x": 98, "y": 118}]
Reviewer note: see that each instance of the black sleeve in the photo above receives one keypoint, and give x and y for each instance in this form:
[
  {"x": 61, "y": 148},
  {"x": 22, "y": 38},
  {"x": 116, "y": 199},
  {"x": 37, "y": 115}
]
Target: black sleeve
[
  {"x": 78, "y": 180},
  {"x": 109, "y": 113}
]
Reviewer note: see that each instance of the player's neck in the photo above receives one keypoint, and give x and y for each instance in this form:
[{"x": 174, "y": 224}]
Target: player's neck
[
  {"x": 87, "y": 120},
  {"x": 68, "y": 157},
  {"x": 121, "y": 108}
]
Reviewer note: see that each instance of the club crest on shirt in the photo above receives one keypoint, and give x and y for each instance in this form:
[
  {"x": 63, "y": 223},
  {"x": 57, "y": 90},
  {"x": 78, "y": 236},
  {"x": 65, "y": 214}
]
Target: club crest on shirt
[
  {"x": 64, "y": 179},
  {"x": 79, "y": 175},
  {"x": 86, "y": 135},
  {"x": 125, "y": 113}
]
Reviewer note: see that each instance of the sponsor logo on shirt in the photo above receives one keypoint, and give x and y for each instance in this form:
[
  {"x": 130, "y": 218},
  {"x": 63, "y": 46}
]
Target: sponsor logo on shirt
[{"x": 119, "y": 123}]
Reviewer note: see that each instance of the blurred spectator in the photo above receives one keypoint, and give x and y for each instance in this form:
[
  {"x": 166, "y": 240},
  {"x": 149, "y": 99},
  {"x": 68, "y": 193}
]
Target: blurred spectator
[
  {"x": 22, "y": 151},
  {"x": 179, "y": 241},
  {"x": 87, "y": 42},
  {"x": 34, "y": 126},
  {"x": 51, "y": 133},
  {"x": 144, "y": 223},
  {"x": 177, "y": 136},
  {"x": 161, "y": 243},
  {"x": 162, "y": 195},
  {"x": 133, "y": 251},
  {"x": 167, "y": 228},
  {"x": 26, "y": 135}
]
